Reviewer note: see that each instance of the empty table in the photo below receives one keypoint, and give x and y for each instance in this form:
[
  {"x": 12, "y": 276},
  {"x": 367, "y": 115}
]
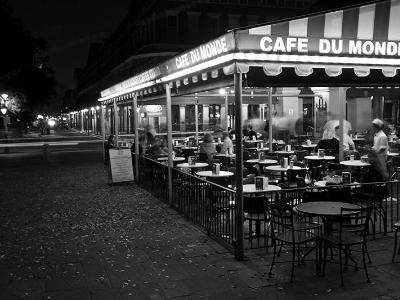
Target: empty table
[
  {"x": 251, "y": 188},
  {"x": 316, "y": 157},
  {"x": 262, "y": 161},
  {"x": 213, "y": 175},
  {"x": 354, "y": 163},
  {"x": 175, "y": 159},
  {"x": 278, "y": 168},
  {"x": 192, "y": 167}
]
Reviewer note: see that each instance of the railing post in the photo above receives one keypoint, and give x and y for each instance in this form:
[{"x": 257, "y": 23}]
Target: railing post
[
  {"x": 135, "y": 116},
  {"x": 116, "y": 121},
  {"x": 239, "y": 166},
  {"x": 169, "y": 135},
  {"x": 103, "y": 128}
]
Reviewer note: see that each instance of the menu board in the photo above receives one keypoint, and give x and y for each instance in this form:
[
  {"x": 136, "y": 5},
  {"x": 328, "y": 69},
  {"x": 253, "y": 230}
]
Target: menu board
[{"x": 121, "y": 165}]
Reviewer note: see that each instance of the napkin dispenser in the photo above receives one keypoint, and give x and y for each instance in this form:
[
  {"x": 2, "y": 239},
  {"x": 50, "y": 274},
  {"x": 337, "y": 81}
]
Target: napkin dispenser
[
  {"x": 261, "y": 182},
  {"x": 216, "y": 167},
  {"x": 191, "y": 160}
]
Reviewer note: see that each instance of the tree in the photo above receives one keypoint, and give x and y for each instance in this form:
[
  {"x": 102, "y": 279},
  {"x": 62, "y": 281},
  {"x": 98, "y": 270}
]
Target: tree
[{"x": 25, "y": 69}]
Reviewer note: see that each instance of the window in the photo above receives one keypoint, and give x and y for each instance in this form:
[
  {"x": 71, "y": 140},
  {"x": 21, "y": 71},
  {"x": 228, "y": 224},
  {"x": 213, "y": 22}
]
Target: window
[
  {"x": 215, "y": 114},
  {"x": 213, "y": 26},
  {"x": 193, "y": 22}
]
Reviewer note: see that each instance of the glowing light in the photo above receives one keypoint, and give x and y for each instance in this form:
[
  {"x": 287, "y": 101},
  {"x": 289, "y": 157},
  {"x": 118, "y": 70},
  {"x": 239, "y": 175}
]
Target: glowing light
[
  {"x": 4, "y": 96},
  {"x": 3, "y": 110},
  {"x": 39, "y": 117},
  {"x": 51, "y": 122},
  {"x": 222, "y": 91}
]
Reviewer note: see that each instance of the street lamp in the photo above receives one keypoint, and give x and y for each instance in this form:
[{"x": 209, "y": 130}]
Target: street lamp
[{"x": 4, "y": 99}]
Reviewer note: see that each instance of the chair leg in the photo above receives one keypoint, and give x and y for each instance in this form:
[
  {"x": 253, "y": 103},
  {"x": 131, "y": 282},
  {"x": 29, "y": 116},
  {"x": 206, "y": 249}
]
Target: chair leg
[
  {"x": 273, "y": 258},
  {"x": 341, "y": 266},
  {"x": 364, "y": 248},
  {"x": 325, "y": 254},
  {"x": 293, "y": 261},
  {"x": 395, "y": 245}
]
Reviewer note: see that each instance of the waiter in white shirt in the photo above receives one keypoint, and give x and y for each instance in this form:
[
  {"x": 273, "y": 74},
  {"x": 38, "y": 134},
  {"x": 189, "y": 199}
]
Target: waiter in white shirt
[{"x": 381, "y": 145}]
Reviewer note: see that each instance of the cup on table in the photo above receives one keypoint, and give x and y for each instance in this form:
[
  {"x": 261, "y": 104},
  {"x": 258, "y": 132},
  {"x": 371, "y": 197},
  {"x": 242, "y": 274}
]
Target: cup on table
[
  {"x": 191, "y": 160},
  {"x": 351, "y": 156},
  {"x": 321, "y": 152},
  {"x": 288, "y": 148}
]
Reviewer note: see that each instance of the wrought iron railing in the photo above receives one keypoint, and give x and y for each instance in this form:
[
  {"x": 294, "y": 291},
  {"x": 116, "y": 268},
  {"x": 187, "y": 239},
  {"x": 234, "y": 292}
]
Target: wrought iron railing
[
  {"x": 213, "y": 207},
  {"x": 207, "y": 204}
]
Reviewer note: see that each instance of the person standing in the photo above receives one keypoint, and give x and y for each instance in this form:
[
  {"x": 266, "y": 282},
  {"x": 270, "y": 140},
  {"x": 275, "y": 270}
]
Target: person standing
[
  {"x": 380, "y": 147},
  {"x": 381, "y": 144},
  {"x": 226, "y": 143}
]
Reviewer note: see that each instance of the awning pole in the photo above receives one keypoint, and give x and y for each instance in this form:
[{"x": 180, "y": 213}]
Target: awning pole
[
  {"x": 342, "y": 109},
  {"x": 196, "y": 121},
  {"x": 116, "y": 122},
  {"x": 169, "y": 135},
  {"x": 135, "y": 116},
  {"x": 270, "y": 119},
  {"x": 103, "y": 127},
  {"x": 226, "y": 113},
  {"x": 239, "y": 166}
]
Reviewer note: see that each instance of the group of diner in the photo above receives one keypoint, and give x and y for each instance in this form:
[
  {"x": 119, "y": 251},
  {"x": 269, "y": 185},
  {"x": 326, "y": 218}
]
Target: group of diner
[{"x": 365, "y": 154}]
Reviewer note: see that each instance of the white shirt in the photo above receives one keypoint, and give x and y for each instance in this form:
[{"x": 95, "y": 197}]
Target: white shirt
[
  {"x": 380, "y": 142},
  {"x": 347, "y": 142},
  {"x": 226, "y": 145}
]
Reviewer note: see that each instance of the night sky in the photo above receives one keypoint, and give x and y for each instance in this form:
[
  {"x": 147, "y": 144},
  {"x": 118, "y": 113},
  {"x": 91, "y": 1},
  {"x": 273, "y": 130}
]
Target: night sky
[{"x": 68, "y": 27}]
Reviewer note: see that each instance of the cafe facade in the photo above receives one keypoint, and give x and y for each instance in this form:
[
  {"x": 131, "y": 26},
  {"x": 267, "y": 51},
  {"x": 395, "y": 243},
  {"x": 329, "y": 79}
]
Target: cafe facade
[{"x": 339, "y": 65}]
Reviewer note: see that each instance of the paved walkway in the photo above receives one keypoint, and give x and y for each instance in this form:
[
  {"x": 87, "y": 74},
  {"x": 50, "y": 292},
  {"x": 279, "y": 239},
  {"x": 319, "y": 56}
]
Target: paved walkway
[{"x": 66, "y": 234}]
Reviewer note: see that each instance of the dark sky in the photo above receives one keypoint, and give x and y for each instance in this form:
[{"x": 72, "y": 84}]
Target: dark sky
[{"x": 68, "y": 26}]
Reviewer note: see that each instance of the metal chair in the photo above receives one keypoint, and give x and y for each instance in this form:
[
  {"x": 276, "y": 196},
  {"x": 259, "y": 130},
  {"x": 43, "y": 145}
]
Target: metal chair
[
  {"x": 285, "y": 231},
  {"x": 352, "y": 229},
  {"x": 255, "y": 212}
]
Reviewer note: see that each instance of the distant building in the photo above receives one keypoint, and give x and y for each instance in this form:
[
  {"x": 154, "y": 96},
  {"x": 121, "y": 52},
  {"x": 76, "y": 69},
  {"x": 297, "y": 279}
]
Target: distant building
[{"x": 155, "y": 30}]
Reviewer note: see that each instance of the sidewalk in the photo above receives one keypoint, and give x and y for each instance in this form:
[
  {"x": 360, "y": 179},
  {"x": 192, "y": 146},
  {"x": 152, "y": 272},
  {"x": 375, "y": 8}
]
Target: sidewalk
[{"x": 66, "y": 234}]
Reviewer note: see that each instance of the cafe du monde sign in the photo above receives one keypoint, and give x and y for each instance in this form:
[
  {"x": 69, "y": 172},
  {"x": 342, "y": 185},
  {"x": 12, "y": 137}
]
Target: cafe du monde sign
[{"x": 322, "y": 46}]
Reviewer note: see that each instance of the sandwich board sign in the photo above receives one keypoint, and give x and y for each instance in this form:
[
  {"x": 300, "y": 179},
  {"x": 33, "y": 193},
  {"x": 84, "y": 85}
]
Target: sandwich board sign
[{"x": 121, "y": 165}]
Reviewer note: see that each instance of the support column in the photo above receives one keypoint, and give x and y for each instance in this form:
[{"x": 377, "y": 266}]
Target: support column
[
  {"x": 116, "y": 121},
  {"x": 169, "y": 135},
  {"x": 135, "y": 116},
  {"x": 342, "y": 116},
  {"x": 196, "y": 122},
  {"x": 226, "y": 113},
  {"x": 359, "y": 113},
  {"x": 103, "y": 127},
  {"x": 182, "y": 118},
  {"x": 239, "y": 166},
  {"x": 270, "y": 118},
  {"x": 206, "y": 116}
]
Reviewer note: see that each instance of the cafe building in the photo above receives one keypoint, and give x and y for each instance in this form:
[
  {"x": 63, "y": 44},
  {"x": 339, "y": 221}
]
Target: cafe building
[{"x": 286, "y": 79}]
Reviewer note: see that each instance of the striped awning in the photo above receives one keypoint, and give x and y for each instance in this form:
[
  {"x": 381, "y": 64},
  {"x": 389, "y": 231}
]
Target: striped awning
[{"x": 362, "y": 38}]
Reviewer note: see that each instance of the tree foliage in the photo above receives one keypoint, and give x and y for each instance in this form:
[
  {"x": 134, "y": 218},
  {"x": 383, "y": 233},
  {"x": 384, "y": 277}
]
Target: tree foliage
[{"x": 24, "y": 67}]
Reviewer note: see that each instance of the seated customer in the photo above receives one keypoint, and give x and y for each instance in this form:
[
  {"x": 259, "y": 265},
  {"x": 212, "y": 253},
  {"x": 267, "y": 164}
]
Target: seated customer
[
  {"x": 208, "y": 147},
  {"x": 251, "y": 133},
  {"x": 328, "y": 142},
  {"x": 226, "y": 143}
]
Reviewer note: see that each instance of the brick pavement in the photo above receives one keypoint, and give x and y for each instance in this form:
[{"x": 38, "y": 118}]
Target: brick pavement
[{"x": 66, "y": 234}]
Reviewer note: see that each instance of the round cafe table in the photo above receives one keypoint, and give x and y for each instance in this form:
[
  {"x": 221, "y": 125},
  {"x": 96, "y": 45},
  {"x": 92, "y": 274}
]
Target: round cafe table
[
  {"x": 316, "y": 157},
  {"x": 225, "y": 155},
  {"x": 278, "y": 168},
  {"x": 262, "y": 162},
  {"x": 354, "y": 163},
  {"x": 283, "y": 152},
  {"x": 324, "y": 208},
  {"x": 251, "y": 188},
  {"x": 254, "y": 141},
  {"x": 389, "y": 154},
  {"x": 327, "y": 210},
  {"x": 309, "y": 146},
  {"x": 212, "y": 175},
  {"x": 192, "y": 167},
  {"x": 175, "y": 159}
]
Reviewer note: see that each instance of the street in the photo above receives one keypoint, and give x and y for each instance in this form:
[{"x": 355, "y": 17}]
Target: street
[{"x": 66, "y": 234}]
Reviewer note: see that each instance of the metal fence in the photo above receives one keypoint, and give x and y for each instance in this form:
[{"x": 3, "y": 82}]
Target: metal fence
[{"x": 213, "y": 207}]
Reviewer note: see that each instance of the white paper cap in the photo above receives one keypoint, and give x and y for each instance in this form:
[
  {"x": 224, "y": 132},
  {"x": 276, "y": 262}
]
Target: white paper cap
[{"x": 378, "y": 122}]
